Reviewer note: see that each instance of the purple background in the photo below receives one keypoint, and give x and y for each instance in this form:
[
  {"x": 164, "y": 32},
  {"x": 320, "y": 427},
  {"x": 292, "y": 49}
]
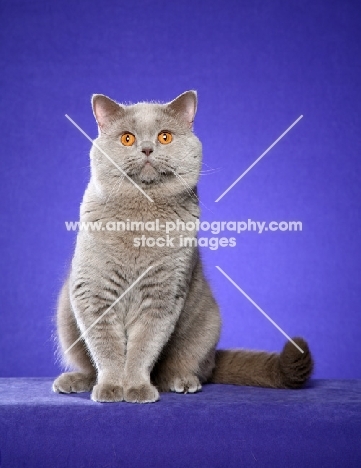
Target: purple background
[{"x": 257, "y": 66}]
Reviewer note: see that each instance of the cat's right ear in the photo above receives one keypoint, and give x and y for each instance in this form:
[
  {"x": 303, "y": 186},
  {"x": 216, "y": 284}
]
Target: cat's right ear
[{"x": 105, "y": 110}]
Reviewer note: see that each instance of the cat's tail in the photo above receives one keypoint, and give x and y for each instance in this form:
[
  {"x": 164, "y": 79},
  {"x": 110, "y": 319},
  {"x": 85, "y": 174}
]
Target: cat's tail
[{"x": 289, "y": 369}]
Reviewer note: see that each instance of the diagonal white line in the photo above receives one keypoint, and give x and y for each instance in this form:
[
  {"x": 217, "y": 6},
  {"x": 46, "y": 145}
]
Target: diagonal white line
[
  {"x": 258, "y": 307},
  {"x": 110, "y": 307},
  {"x": 258, "y": 159},
  {"x": 105, "y": 154}
]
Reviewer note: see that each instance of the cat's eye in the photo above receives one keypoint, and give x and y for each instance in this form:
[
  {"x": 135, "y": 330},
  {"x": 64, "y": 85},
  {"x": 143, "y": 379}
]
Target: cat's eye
[
  {"x": 127, "y": 139},
  {"x": 165, "y": 138}
]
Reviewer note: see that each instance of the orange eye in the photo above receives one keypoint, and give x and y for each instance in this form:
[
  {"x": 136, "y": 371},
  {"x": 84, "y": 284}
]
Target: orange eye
[
  {"x": 165, "y": 138},
  {"x": 127, "y": 139}
]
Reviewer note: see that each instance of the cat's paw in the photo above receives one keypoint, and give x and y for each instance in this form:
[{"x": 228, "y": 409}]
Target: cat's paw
[
  {"x": 144, "y": 393},
  {"x": 73, "y": 382},
  {"x": 107, "y": 393},
  {"x": 190, "y": 384}
]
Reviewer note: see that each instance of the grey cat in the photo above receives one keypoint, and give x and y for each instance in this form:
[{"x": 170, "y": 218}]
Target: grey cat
[{"x": 162, "y": 335}]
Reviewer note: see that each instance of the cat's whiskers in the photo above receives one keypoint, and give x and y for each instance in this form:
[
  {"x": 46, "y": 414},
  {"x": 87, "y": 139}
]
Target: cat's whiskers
[
  {"x": 190, "y": 191},
  {"x": 211, "y": 168},
  {"x": 200, "y": 174},
  {"x": 200, "y": 171},
  {"x": 192, "y": 171},
  {"x": 165, "y": 187},
  {"x": 165, "y": 165},
  {"x": 210, "y": 171},
  {"x": 176, "y": 173},
  {"x": 117, "y": 184}
]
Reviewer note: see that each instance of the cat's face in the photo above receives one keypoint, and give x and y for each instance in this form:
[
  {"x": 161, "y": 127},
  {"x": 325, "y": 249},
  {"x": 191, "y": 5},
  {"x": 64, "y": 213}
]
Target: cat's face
[{"x": 152, "y": 143}]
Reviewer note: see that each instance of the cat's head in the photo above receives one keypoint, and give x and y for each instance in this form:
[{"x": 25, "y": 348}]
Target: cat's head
[{"x": 152, "y": 143}]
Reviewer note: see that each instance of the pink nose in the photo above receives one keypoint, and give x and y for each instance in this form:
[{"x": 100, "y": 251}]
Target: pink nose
[{"x": 147, "y": 151}]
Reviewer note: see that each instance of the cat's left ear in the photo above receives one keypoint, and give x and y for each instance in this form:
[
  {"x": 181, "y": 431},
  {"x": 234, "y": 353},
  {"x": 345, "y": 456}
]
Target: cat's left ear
[{"x": 185, "y": 106}]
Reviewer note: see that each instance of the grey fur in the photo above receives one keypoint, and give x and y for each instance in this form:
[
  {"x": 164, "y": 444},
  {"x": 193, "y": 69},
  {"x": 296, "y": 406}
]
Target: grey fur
[{"x": 162, "y": 335}]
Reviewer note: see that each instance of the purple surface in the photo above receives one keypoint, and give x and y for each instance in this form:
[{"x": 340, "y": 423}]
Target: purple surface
[
  {"x": 223, "y": 426},
  {"x": 257, "y": 66}
]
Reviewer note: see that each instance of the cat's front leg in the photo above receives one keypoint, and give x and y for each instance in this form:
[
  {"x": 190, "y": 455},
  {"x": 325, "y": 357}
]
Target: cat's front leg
[
  {"x": 106, "y": 342},
  {"x": 104, "y": 337},
  {"x": 107, "y": 345},
  {"x": 146, "y": 339}
]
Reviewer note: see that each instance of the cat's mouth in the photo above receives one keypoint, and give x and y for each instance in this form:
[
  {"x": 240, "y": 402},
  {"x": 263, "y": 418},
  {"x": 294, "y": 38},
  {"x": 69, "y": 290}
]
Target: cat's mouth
[{"x": 150, "y": 172}]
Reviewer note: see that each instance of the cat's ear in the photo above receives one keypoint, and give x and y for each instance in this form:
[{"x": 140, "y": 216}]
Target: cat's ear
[
  {"x": 185, "y": 106},
  {"x": 105, "y": 110}
]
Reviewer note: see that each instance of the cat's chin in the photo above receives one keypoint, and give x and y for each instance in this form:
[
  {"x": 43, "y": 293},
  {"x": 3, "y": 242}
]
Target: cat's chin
[{"x": 148, "y": 174}]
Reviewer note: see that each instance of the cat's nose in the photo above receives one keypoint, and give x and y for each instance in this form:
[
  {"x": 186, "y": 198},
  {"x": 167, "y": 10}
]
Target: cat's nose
[
  {"x": 147, "y": 151},
  {"x": 147, "y": 148}
]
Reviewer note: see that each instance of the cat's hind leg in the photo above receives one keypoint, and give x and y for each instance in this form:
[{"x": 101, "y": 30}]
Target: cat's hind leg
[
  {"x": 73, "y": 382},
  {"x": 180, "y": 371},
  {"x": 77, "y": 356}
]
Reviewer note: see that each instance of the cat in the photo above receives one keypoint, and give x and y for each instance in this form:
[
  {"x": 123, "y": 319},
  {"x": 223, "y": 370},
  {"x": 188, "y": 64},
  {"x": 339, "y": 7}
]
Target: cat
[{"x": 162, "y": 335}]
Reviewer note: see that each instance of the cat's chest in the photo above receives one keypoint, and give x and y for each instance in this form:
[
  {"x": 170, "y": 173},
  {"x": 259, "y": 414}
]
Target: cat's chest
[
  {"x": 140, "y": 235},
  {"x": 130, "y": 217}
]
